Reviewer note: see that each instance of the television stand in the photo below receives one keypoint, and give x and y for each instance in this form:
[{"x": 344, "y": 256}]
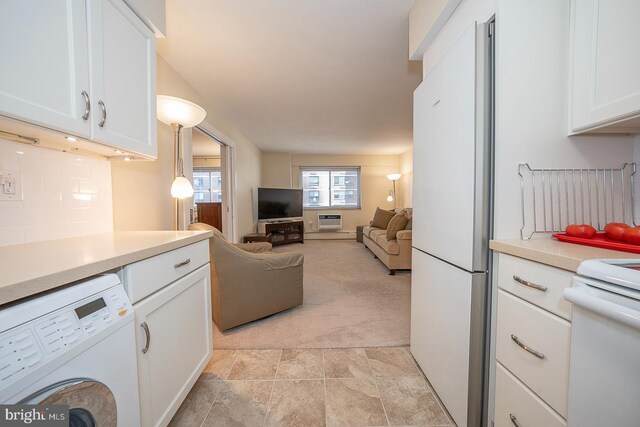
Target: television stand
[{"x": 283, "y": 232}]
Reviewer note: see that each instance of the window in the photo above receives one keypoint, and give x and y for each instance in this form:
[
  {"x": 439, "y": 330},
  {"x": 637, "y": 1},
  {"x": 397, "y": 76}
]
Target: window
[
  {"x": 330, "y": 187},
  {"x": 207, "y": 185}
]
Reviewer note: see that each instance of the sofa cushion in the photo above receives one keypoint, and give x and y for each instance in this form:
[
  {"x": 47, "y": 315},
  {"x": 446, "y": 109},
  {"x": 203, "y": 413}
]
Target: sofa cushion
[
  {"x": 375, "y": 233},
  {"x": 367, "y": 231},
  {"x": 392, "y": 247},
  {"x": 397, "y": 223},
  {"x": 381, "y": 218}
]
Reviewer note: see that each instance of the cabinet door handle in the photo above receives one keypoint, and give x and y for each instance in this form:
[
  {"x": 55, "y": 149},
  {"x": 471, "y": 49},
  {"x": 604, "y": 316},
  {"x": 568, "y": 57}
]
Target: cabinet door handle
[
  {"x": 526, "y": 347},
  {"x": 514, "y": 420},
  {"x": 183, "y": 263},
  {"x": 87, "y": 105},
  {"x": 104, "y": 113},
  {"x": 147, "y": 335},
  {"x": 529, "y": 284}
]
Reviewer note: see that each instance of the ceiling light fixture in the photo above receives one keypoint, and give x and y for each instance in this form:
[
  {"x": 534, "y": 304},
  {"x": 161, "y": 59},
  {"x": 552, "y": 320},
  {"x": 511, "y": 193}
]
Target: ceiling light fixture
[
  {"x": 70, "y": 138},
  {"x": 179, "y": 113}
]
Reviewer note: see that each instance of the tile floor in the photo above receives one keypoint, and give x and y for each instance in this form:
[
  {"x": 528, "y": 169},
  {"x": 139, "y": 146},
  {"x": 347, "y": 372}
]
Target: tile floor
[{"x": 312, "y": 387}]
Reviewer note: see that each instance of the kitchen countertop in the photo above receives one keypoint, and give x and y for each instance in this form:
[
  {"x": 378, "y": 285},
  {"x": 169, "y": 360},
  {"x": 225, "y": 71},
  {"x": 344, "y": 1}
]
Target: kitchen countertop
[
  {"x": 31, "y": 268},
  {"x": 567, "y": 256}
]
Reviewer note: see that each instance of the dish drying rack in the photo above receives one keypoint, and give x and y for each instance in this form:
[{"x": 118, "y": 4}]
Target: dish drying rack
[{"x": 555, "y": 198}]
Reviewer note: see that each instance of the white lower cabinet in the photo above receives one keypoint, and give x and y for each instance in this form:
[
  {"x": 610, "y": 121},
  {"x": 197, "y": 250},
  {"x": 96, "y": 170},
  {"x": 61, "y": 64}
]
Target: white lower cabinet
[
  {"x": 516, "y": 405},
  {"x": 534, "y": 345},
  {"x": 174, "y": 338},
  {"x": 533, "y": 341}
]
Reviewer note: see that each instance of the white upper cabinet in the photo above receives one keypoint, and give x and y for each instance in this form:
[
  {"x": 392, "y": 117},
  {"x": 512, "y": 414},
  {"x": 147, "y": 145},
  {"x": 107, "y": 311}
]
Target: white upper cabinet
[
  {"x": 123, "y": 66},
  {"x": 82, "y": 67},
  {"x": 44, "y": 64},
  {"x": 604, "y": 79}
]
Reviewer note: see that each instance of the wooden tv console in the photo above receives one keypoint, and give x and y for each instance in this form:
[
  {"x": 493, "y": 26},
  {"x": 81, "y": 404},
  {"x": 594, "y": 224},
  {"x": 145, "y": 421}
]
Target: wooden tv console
[{"x": 282, "y": 232}]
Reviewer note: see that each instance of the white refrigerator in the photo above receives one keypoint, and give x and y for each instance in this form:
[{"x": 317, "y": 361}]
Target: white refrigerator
[{"x": 452, "y": 201}]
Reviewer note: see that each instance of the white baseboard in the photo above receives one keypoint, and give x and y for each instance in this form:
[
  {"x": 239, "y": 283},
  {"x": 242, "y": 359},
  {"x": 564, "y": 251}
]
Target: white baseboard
[{"x": 330, "y": 235}]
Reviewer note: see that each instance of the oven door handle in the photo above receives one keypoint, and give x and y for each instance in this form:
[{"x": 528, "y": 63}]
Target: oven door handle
[{"x": 587, "y": 297}]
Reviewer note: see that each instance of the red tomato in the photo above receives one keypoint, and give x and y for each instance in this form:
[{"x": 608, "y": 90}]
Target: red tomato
[
  {"x": 584, "y": 231},
  {"x": 632, "y": 235},
  {"x": 615, "y": 230}
]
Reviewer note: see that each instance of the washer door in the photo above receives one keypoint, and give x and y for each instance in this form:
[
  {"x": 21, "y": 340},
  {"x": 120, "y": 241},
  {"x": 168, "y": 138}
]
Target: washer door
[{"x": 90, "y": 402}]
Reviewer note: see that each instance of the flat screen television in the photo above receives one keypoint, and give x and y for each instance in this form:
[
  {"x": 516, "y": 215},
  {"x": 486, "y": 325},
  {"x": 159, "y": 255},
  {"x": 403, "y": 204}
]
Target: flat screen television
[{"x": 279, "y": 203}]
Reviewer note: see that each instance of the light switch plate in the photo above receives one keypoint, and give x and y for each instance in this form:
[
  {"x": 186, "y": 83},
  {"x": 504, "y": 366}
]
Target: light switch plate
[{"x": 10, "y": 186}]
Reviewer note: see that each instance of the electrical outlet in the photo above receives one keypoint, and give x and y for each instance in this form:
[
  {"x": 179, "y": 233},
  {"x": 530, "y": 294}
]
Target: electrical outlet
[{"x": 310, "y": 225}]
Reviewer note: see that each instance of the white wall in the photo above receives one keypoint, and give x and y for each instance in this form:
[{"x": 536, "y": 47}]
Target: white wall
[
  {"x": 276, "y": 170},
  {"x": 426, "y": 19},
  {"x": 406, "y": 181},
  {"x": 283, "y": 170},
  {"x": 531, "y": 97},
  {"x": 636, "y": 180},
  {"x": 531, "y": 105},
  {"x": 141, "y": 190},
  {"x": 64, "y": 195}
]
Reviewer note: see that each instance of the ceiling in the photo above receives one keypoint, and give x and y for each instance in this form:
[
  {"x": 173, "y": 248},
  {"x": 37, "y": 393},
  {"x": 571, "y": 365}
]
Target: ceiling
[
  {"x": 302, "y": 76},
  {"x": 204, "y": 146}
]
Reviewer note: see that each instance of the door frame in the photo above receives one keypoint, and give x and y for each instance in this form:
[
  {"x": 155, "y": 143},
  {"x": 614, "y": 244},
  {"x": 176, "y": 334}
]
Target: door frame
[{"x": 228, "y": 171}]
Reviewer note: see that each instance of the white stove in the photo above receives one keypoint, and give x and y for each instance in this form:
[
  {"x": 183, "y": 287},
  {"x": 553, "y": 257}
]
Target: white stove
[{"x": 604, "y": 376}]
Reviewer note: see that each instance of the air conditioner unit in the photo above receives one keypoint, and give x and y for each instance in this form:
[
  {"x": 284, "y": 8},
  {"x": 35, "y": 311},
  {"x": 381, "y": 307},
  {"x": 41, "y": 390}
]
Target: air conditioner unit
[{"x": 329, "y": 221}]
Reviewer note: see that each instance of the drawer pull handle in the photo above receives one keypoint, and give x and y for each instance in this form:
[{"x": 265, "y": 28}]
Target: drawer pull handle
[
  {"x": 87, "y": 105},
  {"x": 514, "y": 420},
  {"x": 529, "y": 284},
  {"x": 182, "y": 264},
  {"x": 104, "y": 113},
  {"x": 526, "y": 347},
  {"x": 147, "y": 335}
]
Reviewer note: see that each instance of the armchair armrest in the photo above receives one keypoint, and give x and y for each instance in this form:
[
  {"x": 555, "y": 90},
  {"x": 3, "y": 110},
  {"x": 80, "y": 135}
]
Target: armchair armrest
[
  {"x": 258, "y": 247},
  {"x": 404, "y": 235},
  {"x": 280, "y": 260}
]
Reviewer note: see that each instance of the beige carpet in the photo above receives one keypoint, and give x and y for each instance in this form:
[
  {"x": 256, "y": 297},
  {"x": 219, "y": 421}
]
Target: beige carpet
[{"x": 349, "y": 301}]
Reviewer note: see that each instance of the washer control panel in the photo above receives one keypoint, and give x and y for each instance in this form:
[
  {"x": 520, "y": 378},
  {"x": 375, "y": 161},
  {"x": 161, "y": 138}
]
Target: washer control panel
[{"x": 29, "y": 345}]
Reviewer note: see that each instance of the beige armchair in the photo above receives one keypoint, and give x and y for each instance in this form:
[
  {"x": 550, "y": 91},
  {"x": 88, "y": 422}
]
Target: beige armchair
[{"x": 249, "y": 282}]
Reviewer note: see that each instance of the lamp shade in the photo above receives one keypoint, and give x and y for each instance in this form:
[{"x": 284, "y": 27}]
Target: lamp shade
[
  {"x": 172, "y": 110},
  {"x": 394, "y": 176},
  {"x": 181, "y": 188}
]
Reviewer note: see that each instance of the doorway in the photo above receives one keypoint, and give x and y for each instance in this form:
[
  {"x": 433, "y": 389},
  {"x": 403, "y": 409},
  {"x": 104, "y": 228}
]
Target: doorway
[{"x": 213, "y": 178}]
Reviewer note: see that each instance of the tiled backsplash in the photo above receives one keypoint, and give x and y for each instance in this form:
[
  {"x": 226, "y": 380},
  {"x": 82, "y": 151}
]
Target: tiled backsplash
[{"x": 64, "y": 195}]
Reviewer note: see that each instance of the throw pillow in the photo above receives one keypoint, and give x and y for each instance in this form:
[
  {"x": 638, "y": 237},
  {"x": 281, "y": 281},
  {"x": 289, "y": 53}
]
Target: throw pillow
[
  {"x": 381, "y": 218},
  {"x": 397, "y": 223},
  {"x": 409, "y": 225}
]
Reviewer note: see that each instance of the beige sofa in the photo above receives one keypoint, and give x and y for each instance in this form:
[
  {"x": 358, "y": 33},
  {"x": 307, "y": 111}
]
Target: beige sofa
[
  {"x": 249, "y": 282},
  {"x": 395, "y": 253}
]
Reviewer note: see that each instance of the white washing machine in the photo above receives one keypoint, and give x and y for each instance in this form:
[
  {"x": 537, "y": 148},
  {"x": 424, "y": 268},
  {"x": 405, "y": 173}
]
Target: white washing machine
[{"x": 74, "y": 347}]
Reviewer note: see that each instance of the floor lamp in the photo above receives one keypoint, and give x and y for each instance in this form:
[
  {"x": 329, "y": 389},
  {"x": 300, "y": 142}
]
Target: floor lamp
[
  {"x": 179, "y": 113},
  {"x": 392, "y": 194}
]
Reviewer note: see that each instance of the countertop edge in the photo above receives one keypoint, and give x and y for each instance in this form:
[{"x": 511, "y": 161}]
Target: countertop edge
[
  {"x": 551, "y": 252},
  {"x": 37, "y": 285},
  {"x": 564, "y": 262}
]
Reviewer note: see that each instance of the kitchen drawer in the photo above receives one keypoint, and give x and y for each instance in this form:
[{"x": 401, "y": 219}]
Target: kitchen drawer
[
  {"x": 540, "y": 331},
  {"x": 514, "y": 399},
  {"x": 554, "y": 279},
  {"x": 145, "y": 277}
]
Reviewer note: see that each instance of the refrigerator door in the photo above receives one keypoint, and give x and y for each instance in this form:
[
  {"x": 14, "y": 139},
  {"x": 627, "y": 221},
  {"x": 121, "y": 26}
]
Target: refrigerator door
[
  {"x": 451, "y": 160},
  {"x": 447, "y": 312}
]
